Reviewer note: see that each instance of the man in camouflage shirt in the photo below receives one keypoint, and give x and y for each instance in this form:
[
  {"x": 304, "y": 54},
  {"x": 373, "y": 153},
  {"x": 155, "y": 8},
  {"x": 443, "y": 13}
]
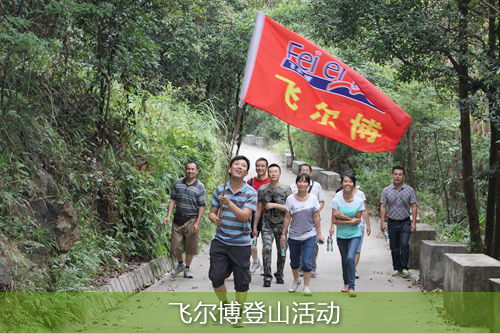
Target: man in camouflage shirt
[{"x": 271, "y": 204}]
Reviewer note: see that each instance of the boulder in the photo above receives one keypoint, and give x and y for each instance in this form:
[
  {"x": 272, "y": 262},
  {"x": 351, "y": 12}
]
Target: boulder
[
  {"x": 45, "y": 183},
  {"x": 316, "y": 172},
  {"x": 61, "y": 218},
  {"x": 329, "y": 180},
  {"x": 423, "y": 232},
  {"x": 5, "y": 273},
  {"x": 67, "y": 227},
  {"x": 296, "y": 165},
  {"x": 432, "y": 261},
  {"x": 34, "y": 251}
]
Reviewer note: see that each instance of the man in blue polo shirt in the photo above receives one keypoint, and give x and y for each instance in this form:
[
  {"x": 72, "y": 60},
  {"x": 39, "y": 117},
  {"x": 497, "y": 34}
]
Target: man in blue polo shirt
[
  {"x": 231, "y": 247},
  {"x": 400, "y": 198}
]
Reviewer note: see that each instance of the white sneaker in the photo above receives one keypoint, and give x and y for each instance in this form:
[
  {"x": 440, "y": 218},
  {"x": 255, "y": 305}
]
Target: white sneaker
[
  {"x": 255, "y": 265},
  {"x": 294, "y": 286},
  {"x": 307, "y": 291},
  {"x": 187, "y": 273},
  {"x": 180, "y": 268}
]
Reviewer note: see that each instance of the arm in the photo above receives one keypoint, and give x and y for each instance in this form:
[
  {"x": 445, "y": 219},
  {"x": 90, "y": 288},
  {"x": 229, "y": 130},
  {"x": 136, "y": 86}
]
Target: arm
[
  {"x": 270, "y": 206},
  {"x": 367, "y": 220},
  {"x": 196, "y": 226},
  {"x": 321, "y": 205},
  {"x": 171, "y": 205},
  {"x": 256, "y": 218},
  {"x": 317, "y": 224},
  {"x": 351, "y": 221},
  {"x": 213, "y": 215},
  {"x": 382, "y": 216},
  {"x": 413, "y": 227},
  {"x": 332, "y": 224},
  {"x": 286, "y": 223},
  {"x": 241, "y": 214}
]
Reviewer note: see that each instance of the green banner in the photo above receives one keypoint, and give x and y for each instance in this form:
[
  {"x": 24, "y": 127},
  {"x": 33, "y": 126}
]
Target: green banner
[{"x": 202, "y": 312}]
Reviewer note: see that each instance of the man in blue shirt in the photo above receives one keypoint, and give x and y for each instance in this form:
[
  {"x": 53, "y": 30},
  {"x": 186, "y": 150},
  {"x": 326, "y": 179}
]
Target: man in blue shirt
[{"x": 231, "y": 247}]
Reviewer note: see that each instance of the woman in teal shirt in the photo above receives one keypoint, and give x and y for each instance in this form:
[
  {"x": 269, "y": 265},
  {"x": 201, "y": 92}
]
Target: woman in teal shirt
[{"x": 346, "y": 214}]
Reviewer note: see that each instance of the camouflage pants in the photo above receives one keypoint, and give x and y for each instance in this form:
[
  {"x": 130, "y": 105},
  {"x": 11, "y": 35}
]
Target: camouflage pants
[{"x": 270, "y": 232}]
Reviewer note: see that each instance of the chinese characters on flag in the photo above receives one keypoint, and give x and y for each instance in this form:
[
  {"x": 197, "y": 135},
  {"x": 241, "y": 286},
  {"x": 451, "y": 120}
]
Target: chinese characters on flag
[{"x": 303, "y": 85}]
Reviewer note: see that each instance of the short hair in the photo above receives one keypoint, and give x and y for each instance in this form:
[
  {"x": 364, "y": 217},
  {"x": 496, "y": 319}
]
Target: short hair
[
  {"x": 398, "y": 167},
  {"x": 303, "y": 176},
  {"x": 274, "y": 165},
  {"x": 191, "y": 162},
  {"x": 240, "y": 157},
  {"x": 307, "y": 165},
  {"x": 262, "y": 159},
  {"x": 349, "y": 175}
]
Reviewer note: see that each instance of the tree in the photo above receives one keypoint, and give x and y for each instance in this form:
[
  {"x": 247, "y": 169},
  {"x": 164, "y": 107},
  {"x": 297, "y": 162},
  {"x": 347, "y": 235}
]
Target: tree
[{"x": 439, "y": 41}]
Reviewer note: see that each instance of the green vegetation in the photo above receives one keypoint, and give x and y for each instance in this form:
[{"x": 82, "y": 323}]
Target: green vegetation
[
  {"x": 441, "y": 67},
  {"x": 102, "y": 103}
]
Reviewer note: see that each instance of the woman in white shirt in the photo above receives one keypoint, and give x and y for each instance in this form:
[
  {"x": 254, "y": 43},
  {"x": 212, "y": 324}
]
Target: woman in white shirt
[{"x": 302, "y": 216}]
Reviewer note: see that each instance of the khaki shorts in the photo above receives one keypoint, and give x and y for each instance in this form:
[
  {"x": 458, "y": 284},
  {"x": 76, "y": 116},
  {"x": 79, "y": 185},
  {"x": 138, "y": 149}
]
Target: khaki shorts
[{"x": 183, "y": 240}]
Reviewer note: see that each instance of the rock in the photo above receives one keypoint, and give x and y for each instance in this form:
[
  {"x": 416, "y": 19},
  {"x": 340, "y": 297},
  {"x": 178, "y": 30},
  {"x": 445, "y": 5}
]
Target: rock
[
  {"x": 5, "y": 273},
  {"x": 34, "y": 251},
  {"x": 61, "y": 218},
  {"x": 45, "y": 183},
  {"x": 67, "y": 227}
]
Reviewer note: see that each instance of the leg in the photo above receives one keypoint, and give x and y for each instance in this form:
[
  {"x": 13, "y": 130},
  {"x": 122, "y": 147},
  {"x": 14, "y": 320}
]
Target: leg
[
  {"x": 267, "y": 249},
  {"x": 239, "y": 257},
  {"x": 351, "y": 267},
  {"x": 394, "y": 240},
  {"x": 189, "y": 258},
  {"x": 255, "y": 255},
  {"x": 307, "y": 254},
  {"x": 190, "y": 241},
  {"x": 314, "y": 257},
  {"x": 280, "y": 262},
  {"x": 221, "y": 293},
  {"x": 358, "y": 251},
  {"x": 343, "y": 249},
  {"x": 218, "y": 268},
  {"x": 404, "y": 240}
]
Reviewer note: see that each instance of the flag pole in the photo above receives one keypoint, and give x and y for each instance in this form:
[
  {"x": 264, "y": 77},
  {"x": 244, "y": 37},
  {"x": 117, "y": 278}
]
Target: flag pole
[
  {"x": 251, "y": 56},
  {"x": 235, "y": 131}
]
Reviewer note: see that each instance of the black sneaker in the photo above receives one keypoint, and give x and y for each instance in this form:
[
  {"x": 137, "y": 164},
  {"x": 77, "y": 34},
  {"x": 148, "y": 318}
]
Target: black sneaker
[
  {"x": 267, "y": 283},
  {"x": 279, "y": 280}
]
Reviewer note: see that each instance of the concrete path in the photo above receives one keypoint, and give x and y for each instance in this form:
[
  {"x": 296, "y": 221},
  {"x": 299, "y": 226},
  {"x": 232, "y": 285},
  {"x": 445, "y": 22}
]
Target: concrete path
[
  {"x": 374, "y": 267},
  {"x": 369, "y": 312}
]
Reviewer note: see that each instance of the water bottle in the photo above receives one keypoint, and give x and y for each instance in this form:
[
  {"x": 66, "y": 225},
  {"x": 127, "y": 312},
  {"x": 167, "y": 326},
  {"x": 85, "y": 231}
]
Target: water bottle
[
  {"x": 283, "y": 250},
  {"x": 386, "y": 236},
  {"x": 254, "y": 241},
  {"x": 329, "y": 244}
]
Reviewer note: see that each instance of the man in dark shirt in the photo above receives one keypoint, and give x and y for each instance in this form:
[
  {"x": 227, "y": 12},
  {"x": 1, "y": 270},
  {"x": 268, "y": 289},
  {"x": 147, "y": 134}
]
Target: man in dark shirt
[{"x": 189, "y": 195}]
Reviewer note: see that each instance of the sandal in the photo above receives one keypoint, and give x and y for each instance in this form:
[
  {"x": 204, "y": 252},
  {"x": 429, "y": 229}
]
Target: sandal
[
  {"x": 344, "y": 290},
  {"x": 352, "y": 293}
]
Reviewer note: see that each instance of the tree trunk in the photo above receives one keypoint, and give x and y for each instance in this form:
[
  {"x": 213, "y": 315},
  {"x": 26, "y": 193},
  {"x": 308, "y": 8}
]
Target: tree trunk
[
  {"x": 290, "y": 142},
  {"x": 321, "y": 153},
  {"x": 465, "y": 138},
  {"x": 441, "y": 174},
  {"x": 412, "y": 169},
  {"x": 492, "y": 228}
]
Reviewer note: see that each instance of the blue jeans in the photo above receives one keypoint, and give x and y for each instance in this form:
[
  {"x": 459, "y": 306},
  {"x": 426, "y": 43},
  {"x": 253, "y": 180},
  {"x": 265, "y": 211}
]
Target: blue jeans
[
  {"x": 304, "y": 249},
  {"x": 348, "y": 248},
  {"x": 399, "y": 238}
]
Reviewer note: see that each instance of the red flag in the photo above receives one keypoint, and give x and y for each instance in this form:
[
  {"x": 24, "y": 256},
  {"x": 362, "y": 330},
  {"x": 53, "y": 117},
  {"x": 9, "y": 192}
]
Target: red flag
[{"x": 303, "y": 85}]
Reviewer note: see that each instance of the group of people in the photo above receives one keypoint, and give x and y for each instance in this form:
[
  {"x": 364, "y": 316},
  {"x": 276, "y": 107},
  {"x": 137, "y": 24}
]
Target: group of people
[{"x": 287, "y": 215}]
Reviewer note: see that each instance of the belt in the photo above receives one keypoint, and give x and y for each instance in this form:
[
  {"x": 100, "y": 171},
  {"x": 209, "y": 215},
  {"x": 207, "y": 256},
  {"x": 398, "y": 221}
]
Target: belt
[{"x": 399, "y": 220}]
